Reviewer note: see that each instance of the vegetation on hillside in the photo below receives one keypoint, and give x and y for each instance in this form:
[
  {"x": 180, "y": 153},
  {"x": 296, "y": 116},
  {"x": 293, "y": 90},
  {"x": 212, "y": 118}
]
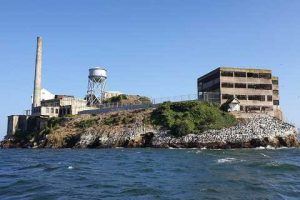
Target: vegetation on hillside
[
  {"x": 115, "y": 99},
  {"x": 182, "y": 118},
  {"x": 128, "y": 99}
]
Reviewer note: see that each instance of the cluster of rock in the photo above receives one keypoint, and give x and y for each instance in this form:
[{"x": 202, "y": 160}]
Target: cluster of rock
[{"x": 260, "y": 130}]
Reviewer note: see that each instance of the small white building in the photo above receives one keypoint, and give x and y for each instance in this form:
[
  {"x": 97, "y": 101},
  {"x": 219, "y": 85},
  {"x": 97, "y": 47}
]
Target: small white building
[
  {"x": 233, "y": 105},
  {"x": 109, "y": 94},
  {"x": 60, "y": 105}
]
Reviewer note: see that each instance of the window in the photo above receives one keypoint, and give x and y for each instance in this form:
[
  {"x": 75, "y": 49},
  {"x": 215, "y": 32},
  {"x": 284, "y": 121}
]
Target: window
[
  {"x": 269, "y": 98},
  {"x": 241, "y": 97},
  {"x": 47, "y": 110},
  {"x": 227, "y": 96},
  {"x": 276, "y": 92},
  {"x": 257, "y": 97},
  {"x": 265, "y": 86},
  {"x": 252, "y": 86},
  {"x": 225, "y": 73},
  {"x": 260, "y": 86},
  {"x": 56, "y": 111},
  {"x": 240, "y": 85},
  {"x": 200, "y": 84},
  {"x": 276, "y": 102},
  {"x": 252, "y": 75},
  {"x": 266, "y": 108},
  {"x": 252, "y": 108},
  {"x": 52, "y": 110},
  {"x": 240, "y": 74},
  {"x": 265, "y": 75},
  {"x": 227, "y": 85},
  {"x": 275, "y": 82}
]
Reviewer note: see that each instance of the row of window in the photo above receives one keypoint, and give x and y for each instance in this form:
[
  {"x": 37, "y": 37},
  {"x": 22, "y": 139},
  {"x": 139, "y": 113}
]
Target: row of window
[
  {"x": 246, "y": 74},
  {"x": 52, "y": 110},
  {"x": 248, "y": 97},
  {"x": 256, "y": 108},
  {"x": 63, "y": 111},
  {"x": 244, "y": 85},
  {"x": 252, "y": 97}
]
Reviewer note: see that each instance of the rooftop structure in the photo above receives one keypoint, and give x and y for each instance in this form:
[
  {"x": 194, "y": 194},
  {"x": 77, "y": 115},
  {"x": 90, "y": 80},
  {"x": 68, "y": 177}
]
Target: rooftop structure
[{"x": 256, "y": 89}]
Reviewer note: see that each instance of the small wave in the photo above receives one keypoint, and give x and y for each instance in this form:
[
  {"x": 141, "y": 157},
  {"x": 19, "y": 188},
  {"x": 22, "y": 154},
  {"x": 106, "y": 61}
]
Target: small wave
[
  {"x": 70, "y": 167},
  {"x": 33, "y": 166},
  {"x": 265, "y": 155},
  {"x": 284, "y": 147},
  {"x": 270, "y": 147},
  {"x": 229, "y": 160},
  {"x": 226, "y": 160},
  {"x": 198, "y": 151},
  {"x": 282, "y": 166}
]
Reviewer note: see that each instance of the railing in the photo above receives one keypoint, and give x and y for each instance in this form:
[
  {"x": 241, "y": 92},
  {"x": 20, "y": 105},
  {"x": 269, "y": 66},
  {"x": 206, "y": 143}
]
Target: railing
[
  {"x": 154, "y": 102},
  {"x": 188, "y": 97}
]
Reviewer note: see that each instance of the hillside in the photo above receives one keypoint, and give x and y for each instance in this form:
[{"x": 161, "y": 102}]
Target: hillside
[{"x": 184, "y": 124}]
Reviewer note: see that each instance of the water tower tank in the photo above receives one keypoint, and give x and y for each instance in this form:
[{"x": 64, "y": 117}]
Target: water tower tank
[
  {"x": 96, "y": 86},
  {"x": 97, "y": 74}
]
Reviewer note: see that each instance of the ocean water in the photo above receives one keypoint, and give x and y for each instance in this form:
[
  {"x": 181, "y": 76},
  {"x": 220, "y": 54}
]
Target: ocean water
[{"x": 149, "y": 174}]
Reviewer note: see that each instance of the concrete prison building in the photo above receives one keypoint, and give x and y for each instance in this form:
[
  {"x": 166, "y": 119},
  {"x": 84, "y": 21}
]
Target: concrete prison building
[
  {"x": 255, "y": 89},
  {"x": 59, "y": 106}
]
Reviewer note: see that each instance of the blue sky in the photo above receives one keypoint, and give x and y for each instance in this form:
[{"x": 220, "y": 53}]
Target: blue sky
[{"x": 155, "y": 48}]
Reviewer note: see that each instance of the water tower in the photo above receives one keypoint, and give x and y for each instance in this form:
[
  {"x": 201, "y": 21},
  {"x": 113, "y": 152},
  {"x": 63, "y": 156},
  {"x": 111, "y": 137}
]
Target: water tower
[{"x": 96, "y": 86}]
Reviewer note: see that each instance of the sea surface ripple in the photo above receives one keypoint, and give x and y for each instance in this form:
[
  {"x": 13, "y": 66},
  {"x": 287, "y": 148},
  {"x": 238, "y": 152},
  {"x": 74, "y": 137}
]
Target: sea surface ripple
[{"x": 149, "y": 174}]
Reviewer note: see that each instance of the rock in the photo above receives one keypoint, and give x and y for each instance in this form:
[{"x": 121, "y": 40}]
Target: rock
[{"x": 260, "y": 130}]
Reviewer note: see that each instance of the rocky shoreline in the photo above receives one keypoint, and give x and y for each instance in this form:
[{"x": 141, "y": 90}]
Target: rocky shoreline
[{"x": 258, "y": 131}]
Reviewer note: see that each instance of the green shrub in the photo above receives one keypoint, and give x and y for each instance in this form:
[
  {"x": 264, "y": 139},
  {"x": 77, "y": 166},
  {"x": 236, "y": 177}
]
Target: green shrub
[
  {"x": 53, "y": 122},
  {"x": 86, "y": 123},
  {"x": 115, "y": 99},
  {"x": 182, "y": 118},
  {"x": 181, "y": 128},
  {"x": 145, "y": 100}
]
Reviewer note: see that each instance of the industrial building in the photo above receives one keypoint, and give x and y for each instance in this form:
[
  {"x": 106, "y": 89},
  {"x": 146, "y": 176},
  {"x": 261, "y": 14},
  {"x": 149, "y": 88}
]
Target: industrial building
[
  {"x": 255, "y": 89},
  {"x": 60, "y": 105}
]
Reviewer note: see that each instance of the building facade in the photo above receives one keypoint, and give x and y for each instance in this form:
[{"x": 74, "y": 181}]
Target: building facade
[
  {"x": 61, "y": 105},
  {"x": 256, "y": 89}
]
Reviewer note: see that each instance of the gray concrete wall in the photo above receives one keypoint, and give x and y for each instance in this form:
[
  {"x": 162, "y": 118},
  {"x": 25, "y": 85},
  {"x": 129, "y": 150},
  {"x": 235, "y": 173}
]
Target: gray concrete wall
[{"x": 16, "y": 123}]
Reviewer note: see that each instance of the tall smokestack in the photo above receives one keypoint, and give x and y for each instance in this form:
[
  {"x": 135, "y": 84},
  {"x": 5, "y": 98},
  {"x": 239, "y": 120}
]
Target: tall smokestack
[{"x": 38, "y": 74}]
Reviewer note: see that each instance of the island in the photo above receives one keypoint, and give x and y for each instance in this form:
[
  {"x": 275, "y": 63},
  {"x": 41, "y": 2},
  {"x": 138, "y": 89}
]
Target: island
[{"x": 190, "y": 124}]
